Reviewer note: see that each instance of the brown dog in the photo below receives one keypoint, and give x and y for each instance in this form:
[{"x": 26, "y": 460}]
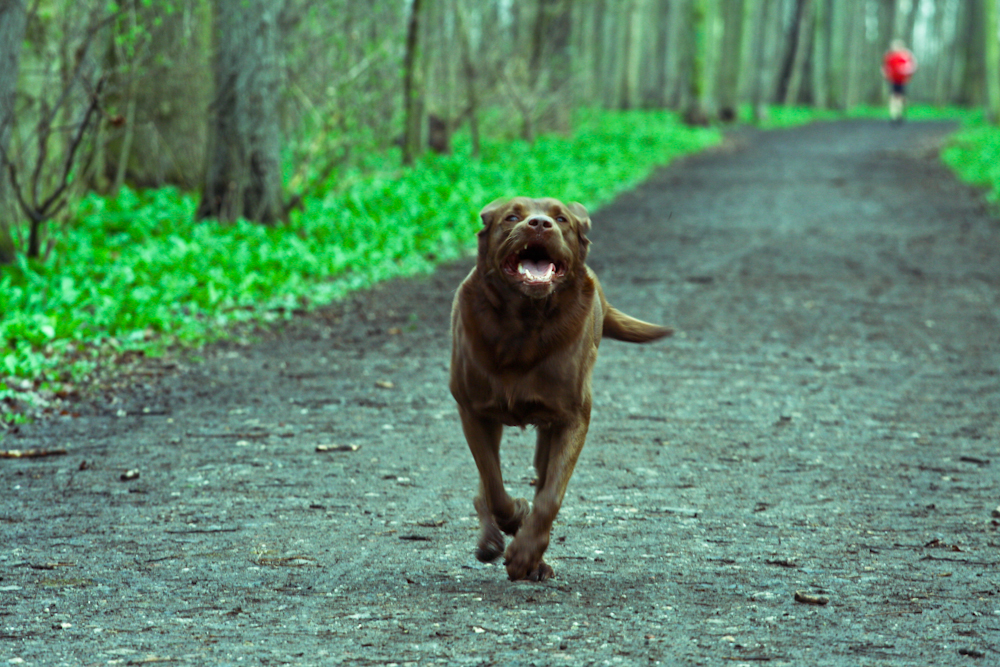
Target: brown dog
[{"x": 526, "y": 324}]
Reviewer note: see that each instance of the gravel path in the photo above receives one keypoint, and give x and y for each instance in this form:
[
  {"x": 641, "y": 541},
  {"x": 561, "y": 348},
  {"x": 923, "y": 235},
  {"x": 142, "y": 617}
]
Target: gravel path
[{"x": 823, "y": 426}]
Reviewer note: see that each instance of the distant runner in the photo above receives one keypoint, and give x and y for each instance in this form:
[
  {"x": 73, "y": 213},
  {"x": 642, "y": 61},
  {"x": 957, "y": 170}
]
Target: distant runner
[{"x": 898, "y": 66}]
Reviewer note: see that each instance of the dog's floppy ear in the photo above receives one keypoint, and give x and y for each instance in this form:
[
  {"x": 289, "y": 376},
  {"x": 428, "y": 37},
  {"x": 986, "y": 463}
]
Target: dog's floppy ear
[
  {"x": 488, "y": 215},
  {"x": 490, "y": 210},
  {"x": 579, "y": 212}
]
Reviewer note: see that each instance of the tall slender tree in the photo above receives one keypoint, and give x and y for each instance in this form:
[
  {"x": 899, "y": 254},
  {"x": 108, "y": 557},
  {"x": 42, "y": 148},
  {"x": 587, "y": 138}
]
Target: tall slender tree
[
  {"x": 550, "y": 52},
  {"x": 12, "y": 24},
  {"x": 701, "y": 15},
  {"x": 413, "y": 98},
  {"x": 943, "y": 39},
  {"x": 797, "y": 48},
  {"x": 991, "y": 53},
  {"x": 243, "y": 174},
  {"x": 837, "y": 53},
  {"x": 820, "y": 55},
  {"x": 469, "y": 72},
  {"x": 767, "y": 27},
  {"x": 733, "y": 35},
  {"x": 634, "y": 17},
  {"x": 163, "y": 87},
  {"x": 974, "y": 79}
]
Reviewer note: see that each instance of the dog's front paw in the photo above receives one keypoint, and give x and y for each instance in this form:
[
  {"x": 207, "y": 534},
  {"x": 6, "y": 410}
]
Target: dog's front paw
[
  {"x": 523, "y": 560},
  {"x": 540, "y": 572}
]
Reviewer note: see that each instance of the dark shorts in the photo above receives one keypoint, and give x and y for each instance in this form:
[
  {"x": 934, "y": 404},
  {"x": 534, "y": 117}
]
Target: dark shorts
[{"x": 898, "y": 88}]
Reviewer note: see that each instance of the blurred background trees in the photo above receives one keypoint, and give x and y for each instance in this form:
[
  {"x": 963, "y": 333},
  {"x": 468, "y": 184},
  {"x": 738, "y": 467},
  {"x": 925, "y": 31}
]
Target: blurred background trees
[{"x": 258, "y": 104}]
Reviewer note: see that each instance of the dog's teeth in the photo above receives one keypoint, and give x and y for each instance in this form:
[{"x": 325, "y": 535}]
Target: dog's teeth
[{"x": 521, "y": 269}]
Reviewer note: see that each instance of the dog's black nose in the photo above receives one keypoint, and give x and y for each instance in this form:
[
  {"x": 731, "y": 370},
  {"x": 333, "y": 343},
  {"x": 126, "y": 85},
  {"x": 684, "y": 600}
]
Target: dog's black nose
[{"x": 543, "y": 222}]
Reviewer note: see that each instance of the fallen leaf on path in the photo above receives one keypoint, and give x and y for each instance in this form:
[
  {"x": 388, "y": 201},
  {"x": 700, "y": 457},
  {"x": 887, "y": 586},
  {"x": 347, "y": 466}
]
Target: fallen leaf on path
[
  {"x": 285, "y": 561},
  {"x": 937, "y": 543},
  {"x": 149, "y": 659},
  {"x": 337, "y": 448},
  {"x": 809, "y": 598},
  {"x": 30, "y": 453},
  {"x": 50, "y": 566}
]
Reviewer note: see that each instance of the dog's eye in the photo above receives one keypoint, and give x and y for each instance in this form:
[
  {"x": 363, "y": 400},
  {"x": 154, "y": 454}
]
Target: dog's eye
[
  {"x": 561, "y": 218},
  {"x": 512, "y": 218}
]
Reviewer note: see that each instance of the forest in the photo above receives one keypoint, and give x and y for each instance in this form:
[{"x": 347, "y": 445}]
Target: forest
[{"x": 172, "y": 168}]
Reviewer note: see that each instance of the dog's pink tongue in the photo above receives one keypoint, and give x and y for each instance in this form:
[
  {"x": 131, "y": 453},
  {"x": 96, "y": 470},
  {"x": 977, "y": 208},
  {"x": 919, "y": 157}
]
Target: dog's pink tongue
[{"x": 538, "y": 270}]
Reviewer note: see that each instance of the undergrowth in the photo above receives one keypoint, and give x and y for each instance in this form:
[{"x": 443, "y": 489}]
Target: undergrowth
[
  {"x": 137, "y": 273},
  {"x": 785, "y": 117},
  {"x": 974, "y": 155}
]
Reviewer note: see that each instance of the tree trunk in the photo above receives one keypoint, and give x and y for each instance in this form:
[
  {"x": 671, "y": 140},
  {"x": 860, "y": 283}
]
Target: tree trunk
[
  {"x": 972, "y": 91},
  {"x": 587, "y": 49},
  {"x": 820, "y": 55},
  {"x": 889, "y": 22},
  {"x": 675, "y": 30},
  {"x": 633, "y": 54},
  {"x": 655, "y": 93},
  {"x": 911, "y": 22},
  {"x": 549, "y": 67},
  {"x": 957, "y": 61},
  {"x": 795, "y": 57},
  {"x": 243, "y": 172},
  {"x": 855, "y": 54},
  {"x": 413, "y": 99},
  {"x": 991, "y": 53},
  {"x": 767, "y": 27},
  {"x": 616, "y": 25},
  {"x": 12, "y": 23},
  {"x": 167, "y": 93},
  {"x": 731, "y": 54},
  {"x": 701, "y": 20},
  {"x": 753, "y": 14},
  {"x": 469, "y": 72},
  {"x": 942, "y": 62},
  {"x": 840, "y": 20}
]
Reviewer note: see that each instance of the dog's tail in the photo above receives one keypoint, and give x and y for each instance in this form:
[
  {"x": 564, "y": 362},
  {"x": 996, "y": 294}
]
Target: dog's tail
[{"x": 620, "y": 326}]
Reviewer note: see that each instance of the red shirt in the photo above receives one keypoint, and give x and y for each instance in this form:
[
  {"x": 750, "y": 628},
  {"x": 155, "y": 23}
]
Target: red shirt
[{"x": 899, "y": 66}]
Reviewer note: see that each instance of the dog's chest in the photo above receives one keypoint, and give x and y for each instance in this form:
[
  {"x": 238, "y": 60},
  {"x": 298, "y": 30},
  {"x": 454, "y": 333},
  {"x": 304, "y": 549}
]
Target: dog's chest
[
  {"x": 546, "y": 393},
  {"x": 522, "y": 400}
]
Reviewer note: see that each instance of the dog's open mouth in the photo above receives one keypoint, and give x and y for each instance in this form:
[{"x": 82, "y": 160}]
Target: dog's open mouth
[{"x": 533, "y": 265}]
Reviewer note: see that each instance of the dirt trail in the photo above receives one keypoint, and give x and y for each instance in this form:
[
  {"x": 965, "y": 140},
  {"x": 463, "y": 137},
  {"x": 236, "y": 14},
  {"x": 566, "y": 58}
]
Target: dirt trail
[{"x": 825, "y": 421}]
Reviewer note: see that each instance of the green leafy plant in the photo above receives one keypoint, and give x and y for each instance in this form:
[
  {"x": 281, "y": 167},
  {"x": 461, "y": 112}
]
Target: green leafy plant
[
  {"x": 136, "y": 273},
  {"x": 974, "y": 155}
]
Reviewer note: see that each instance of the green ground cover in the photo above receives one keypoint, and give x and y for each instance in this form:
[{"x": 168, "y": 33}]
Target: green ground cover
[
  {"x": 784, "y": 117},
  {"x": 974, "y": 155},
  {"x": 137, "y": 273}
]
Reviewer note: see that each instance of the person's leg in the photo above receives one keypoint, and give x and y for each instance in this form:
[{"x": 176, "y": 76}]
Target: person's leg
[
  {"x": 895, "y": 107},
  {"x": 897, "y": 102}
]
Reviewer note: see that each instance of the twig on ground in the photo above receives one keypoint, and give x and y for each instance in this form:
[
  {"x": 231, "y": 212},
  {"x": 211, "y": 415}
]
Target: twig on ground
[{"x": 30, "y": 453}]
